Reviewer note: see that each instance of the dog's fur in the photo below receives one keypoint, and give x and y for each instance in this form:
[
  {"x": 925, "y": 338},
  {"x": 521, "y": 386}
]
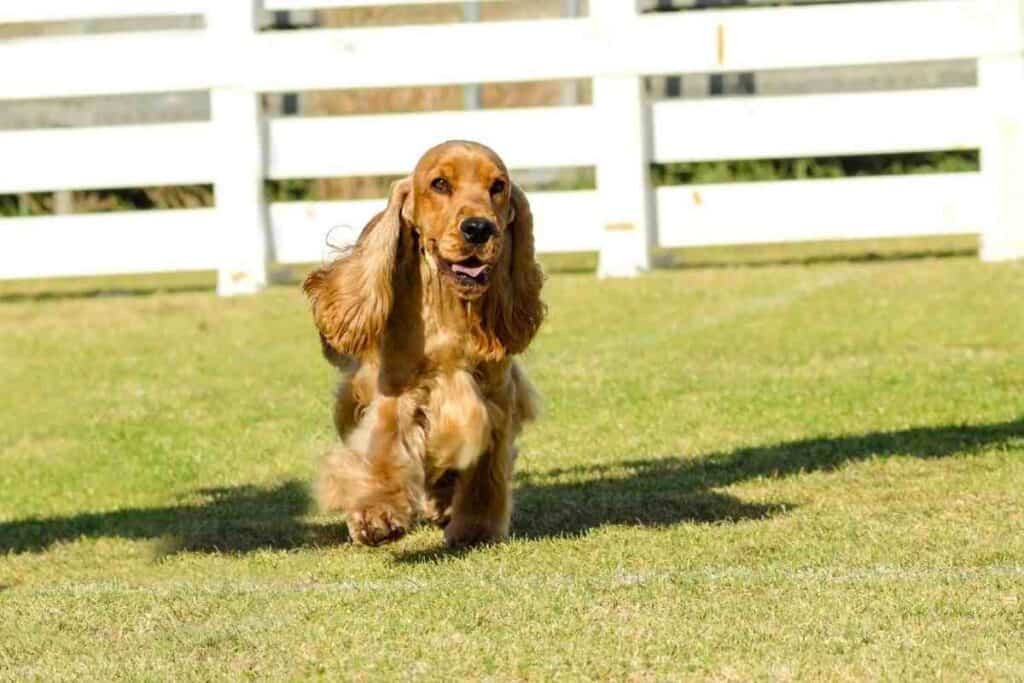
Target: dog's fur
[{"x": 430, "y": 401}]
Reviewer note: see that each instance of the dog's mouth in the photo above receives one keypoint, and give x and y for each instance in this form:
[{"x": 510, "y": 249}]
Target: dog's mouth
[{"x": 471, "y": 272}]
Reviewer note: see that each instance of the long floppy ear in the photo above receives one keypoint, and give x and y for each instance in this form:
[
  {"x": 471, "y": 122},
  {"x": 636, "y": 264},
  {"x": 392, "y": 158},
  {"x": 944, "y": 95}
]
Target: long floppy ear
[
  {"x": 352, "y": 296},
  {"x": 516, "y": 310}
]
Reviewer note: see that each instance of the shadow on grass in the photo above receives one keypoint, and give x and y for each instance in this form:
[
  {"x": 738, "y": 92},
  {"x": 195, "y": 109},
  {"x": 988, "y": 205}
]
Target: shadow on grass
[
  {"x": 582, "y": 263},
  {"x": 101, "y": 293},
  {"x": 681, "y": 263},
  {"x": 561, "y": 502},
  {"x": 663, "y": 492},
  {"x": 236, "y": 519}
]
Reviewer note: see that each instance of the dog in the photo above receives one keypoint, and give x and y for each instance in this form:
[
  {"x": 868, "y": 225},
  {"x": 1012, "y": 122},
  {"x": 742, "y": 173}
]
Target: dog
[{"x": 423, "y": 316}]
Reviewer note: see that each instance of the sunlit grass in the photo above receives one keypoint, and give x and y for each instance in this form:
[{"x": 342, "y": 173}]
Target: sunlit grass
[{"x": 804, "y": 470}]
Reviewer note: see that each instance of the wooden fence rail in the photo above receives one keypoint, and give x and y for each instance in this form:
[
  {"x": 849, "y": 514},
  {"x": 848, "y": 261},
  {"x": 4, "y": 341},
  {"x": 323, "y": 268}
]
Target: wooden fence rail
[{"x": 620, "y": 135}]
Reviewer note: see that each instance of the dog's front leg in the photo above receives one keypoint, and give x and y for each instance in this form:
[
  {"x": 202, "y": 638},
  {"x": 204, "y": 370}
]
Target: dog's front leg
[
  {"x": 374, "y": 477},
  {"x": 482, "y": 506}
]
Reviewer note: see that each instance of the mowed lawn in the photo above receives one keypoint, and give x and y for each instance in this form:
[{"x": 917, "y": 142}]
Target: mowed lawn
[{"x": 806, "y": 471}]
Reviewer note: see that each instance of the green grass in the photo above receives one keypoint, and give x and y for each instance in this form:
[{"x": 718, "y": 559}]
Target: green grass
[{"x": 808, "y": 470}]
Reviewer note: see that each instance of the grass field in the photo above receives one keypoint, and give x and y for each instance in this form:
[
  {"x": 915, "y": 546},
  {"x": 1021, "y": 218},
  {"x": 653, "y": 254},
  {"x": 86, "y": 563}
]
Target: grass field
[{"x": 793, "y": 471}]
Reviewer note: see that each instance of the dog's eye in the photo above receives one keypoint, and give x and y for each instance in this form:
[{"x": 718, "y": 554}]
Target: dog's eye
[
  {"x": 497, "y": 187},
  {"x": 441, "y": 185}
]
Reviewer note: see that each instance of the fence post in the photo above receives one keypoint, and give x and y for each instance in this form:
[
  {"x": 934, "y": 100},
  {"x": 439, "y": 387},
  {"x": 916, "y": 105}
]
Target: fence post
[
  {"x": 472, "y": 95},
  {"x": 624, "y": 158},
  {"x": 1001, "y": 79},
  {"x": 570, "y": 89},
  {"x": 240, "y": 135}
]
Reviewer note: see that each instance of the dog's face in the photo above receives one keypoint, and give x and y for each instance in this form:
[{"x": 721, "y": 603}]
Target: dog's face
[
  {"x": 462, "y": 208},
  {"x": 458, "y": 220}
]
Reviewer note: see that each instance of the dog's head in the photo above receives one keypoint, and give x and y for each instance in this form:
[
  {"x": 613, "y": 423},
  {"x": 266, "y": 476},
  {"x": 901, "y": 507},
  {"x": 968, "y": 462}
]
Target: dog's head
[
  {"x": 461, "y": 217},
  {"x": 462, "y": 206}
]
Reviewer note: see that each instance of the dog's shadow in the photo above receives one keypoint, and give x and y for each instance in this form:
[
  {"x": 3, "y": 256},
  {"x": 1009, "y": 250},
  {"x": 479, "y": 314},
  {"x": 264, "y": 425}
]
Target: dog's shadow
[
  {"x": 235, "y": 519},
  {"x": 668, "y": 491},
  {"x": 552, "y": 503}
]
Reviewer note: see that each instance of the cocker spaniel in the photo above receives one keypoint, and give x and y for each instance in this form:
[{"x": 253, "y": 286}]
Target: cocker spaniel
[{"x": 423, "y": 316}]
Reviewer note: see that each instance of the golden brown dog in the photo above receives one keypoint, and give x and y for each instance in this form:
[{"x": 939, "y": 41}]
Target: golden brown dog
[{"x": 423, "y": 315}]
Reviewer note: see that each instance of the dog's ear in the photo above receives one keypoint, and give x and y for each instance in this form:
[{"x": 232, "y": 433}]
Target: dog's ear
[
  {"x": 352, "y": 296},
  {"x": 515, "y": 310}
]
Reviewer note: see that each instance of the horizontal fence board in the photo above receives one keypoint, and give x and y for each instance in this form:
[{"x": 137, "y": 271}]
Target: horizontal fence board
[
  {"x": 818, "y": 125},
  {"x": 391, "y": 144},
  {"x": 307, "y": 232},
  {"x": 566, "y": 221},
  {"x": 116, "y": 156},
  {"x": 707, "y": 41},
  {"x": 701, "y": 130},
  {"x": 14, "y": 11},
  {"x": 109, "y": 64},
  {"x": 17, "y": 11},
  {"x": 697, "y": 130},
  {"x": 312, "y": 232},
  {"x": 183, "y": 153},
  {"x": 845, "y": 34},
  {"x": 109, "y": 244},
  {"x": 713, "y": 40},
  {"x": 700, "y": 215},
  {"x": 323, "y": 4},
  {"x": 848, "y": 208}
]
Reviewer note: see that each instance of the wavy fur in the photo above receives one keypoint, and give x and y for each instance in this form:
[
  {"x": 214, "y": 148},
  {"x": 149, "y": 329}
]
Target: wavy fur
[
  {"x": 352, "y": 296},
  {"x": 431, "y": 401}
]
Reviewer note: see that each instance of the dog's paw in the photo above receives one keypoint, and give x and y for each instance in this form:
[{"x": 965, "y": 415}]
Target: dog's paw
[
  {"x": 377, "y": 525},
  {"x": 463, "y": 533},
  {"x": 439, "y": 518}
]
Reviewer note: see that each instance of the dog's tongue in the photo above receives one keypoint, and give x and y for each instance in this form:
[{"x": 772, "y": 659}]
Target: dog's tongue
[{"x": 469, "y": 271}]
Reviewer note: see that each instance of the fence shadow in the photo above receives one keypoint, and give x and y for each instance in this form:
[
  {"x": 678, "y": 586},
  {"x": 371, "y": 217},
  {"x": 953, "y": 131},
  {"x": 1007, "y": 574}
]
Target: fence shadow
[
  {"x": 101, "y": 293},
  {"x": 674, "y": 262},
  {"x": 664, "y": 492},
  {"x": 237, "y": 519}
]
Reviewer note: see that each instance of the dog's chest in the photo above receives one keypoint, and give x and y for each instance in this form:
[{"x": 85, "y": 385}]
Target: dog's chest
[{"x": 459, "y": 424}]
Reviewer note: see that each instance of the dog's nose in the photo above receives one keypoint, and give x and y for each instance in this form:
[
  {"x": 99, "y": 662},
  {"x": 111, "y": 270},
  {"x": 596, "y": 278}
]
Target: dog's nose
[{"x": 477, "y": 230}]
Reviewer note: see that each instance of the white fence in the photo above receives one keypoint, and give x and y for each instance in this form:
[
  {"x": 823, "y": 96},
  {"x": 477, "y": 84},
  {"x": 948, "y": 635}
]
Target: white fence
[{"x": 620, "y": 134}]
